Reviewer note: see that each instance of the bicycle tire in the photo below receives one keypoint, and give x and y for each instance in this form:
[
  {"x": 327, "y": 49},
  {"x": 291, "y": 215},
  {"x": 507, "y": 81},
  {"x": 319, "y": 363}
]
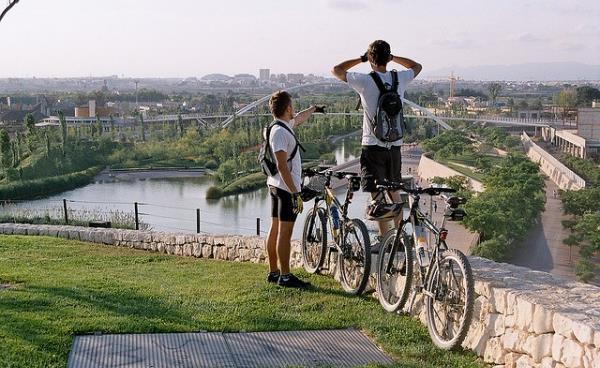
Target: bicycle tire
[
  {"x": 361, "y": 253},
  {"x": 452, "y": 256},
  {"x": 387, "y": 282},
  {"x": 313, "y": 252}
]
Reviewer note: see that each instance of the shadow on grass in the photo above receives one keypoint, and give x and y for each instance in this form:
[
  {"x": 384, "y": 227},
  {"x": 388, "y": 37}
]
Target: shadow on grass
[{"x": 47, "y": 317}]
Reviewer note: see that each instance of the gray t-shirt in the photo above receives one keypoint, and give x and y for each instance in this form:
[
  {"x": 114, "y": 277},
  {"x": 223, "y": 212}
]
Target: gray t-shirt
[{"x": 365, "y": 86}]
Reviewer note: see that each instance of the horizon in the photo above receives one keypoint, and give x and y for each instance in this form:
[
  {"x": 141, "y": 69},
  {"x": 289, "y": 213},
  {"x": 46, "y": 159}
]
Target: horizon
[{"x": 171, "y": 40}]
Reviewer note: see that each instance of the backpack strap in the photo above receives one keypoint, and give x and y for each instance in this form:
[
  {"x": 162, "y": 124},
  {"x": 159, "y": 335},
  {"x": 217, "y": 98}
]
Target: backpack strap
[
  {"x": 378, "y": 82},
  {"x": 394, "y": 80},
  {"x": 295, "y": 150}
]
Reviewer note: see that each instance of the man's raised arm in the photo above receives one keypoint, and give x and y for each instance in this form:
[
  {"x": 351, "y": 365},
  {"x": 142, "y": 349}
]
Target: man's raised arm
[
  {"x": 340, "y": 70},
  {"x": 408, "y": 63}
]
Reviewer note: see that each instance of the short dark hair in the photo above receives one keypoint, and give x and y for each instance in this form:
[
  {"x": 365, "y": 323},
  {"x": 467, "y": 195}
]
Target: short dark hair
[
  {"x": 279, "y": 102},
  {"x": 380, "y": 52}
]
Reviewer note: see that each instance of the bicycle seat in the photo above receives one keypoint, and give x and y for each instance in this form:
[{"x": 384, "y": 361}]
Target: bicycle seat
[{"x": 437, "y": 190}]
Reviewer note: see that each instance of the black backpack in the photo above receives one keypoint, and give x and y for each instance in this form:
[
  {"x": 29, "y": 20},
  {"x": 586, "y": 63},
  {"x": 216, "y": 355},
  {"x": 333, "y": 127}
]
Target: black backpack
[
  {"x": 388, "y": 123},
  {"x": 266, "y": 157}
]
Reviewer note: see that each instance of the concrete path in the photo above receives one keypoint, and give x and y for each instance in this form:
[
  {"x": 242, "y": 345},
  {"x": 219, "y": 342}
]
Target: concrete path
[{"x": 543, "y": 249}]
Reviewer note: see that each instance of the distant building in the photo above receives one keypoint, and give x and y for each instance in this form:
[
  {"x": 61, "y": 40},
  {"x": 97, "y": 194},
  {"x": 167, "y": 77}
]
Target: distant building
[
  {"x": 92, "y": 111},
  {"x": 583, "y": 142},
  {"x": 264, "y": 75},
  {"x": 296, "y": 78}
]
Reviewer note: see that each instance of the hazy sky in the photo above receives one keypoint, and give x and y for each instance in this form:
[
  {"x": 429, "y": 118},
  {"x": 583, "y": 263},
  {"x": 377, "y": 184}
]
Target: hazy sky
[{"x": 181, "y": 38}]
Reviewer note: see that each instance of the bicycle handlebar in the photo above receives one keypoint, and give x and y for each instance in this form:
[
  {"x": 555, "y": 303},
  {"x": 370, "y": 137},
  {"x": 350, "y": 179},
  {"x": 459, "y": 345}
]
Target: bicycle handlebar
[
  {"x": 389, "y": 185},
  {"x": 336, "y": 174}
]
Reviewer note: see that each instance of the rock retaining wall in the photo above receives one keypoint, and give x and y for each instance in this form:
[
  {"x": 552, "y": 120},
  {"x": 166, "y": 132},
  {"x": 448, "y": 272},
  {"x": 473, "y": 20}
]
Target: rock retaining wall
[{"x": 522, "y": 318}]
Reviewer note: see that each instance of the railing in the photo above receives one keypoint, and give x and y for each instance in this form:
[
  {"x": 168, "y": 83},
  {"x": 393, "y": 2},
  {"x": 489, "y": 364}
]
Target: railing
[{"x": 124, "y": 214}]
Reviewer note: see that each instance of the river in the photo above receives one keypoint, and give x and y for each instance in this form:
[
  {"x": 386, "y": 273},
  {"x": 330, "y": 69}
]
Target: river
[{"x": 169, "y": 204}]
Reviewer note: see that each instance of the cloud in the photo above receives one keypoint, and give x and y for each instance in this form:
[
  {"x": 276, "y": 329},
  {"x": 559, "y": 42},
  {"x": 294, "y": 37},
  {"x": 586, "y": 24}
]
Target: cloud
[
  {"x": 348, "y": 5},
  {"x": 462, "y": 44},
  {"x": 570, "y": 46},
  {"x": 526, "y": 37}
]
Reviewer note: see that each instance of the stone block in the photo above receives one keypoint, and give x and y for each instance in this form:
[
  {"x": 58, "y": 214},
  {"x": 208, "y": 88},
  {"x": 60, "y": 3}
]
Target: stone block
[
  {"x": 562, "y": 325},
  {"x": 178, "y": 250},
  {"x": 197, "y": 250},
  {"x": 188, "y": 249},
  {"x": 572, "y": 356},
  {"x": 244, "y": 254},
  {"x": 33, "y": 230},
  {"x": 524, "y": 362},
  {"x": 583, "y": 332},
  {"x": 524, "y": 313},
  {"x": 590, "y": 357},
  {"x": 74, "y": 234},
  {"x": 207, "y": 251},
  {"x": 557, "y": 346},
  {"x": 170, "y": 249},
  {"x": 495, "y": 324},
  {"x": 180, "y": 239},
  {"x": 513, "y": 340},
  {"x": 539, "y": 346},
  {"x": 542, "y": 320},
  {"x": 62, "y": 233},
  {"x": 597, "y": 338},
  {"x": 548, "y": 362},
  {"x": 510, "y": 359},
  {"x": 161, "y": 247},
  {"x": 493, "y": 351}
]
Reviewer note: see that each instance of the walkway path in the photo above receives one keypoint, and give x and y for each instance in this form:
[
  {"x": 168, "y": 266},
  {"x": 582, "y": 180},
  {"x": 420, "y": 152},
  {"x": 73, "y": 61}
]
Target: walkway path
[{"x": 543, "y": 249}]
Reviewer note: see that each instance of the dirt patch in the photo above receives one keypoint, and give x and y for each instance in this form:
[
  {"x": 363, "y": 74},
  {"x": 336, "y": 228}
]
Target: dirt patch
[{"x": 5, "y": 286}]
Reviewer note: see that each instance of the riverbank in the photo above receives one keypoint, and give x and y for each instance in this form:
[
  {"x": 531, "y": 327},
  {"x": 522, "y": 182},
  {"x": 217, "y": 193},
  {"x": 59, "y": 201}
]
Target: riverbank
[{"x": 109, "y": 175}]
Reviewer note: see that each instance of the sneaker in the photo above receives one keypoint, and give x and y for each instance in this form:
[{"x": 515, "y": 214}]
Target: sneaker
[
  {"x": 273, "y": 277},
  {"x": 290, "y": 280}
]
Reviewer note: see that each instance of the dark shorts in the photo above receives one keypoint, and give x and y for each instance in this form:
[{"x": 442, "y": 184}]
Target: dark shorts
[
  {"x": 379, "y": 163},
  {"x": 281, "y": 205}
]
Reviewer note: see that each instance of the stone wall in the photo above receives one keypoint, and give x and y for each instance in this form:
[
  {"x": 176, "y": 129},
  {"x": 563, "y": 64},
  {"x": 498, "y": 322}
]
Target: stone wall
[
  {"x": 522, "y": 318},
  {"x": 561, "y": 175},
  {"x": 428, "y": 169}
]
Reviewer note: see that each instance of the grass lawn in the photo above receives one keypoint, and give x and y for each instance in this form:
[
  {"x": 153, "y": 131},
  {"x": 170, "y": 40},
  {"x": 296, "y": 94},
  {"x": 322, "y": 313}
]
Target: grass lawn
[{"x": 60, "y": 288}]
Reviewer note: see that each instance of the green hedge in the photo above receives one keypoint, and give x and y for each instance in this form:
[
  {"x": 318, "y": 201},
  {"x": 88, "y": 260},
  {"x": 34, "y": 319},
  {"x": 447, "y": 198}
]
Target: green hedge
[{"x": 29, "y": 189}]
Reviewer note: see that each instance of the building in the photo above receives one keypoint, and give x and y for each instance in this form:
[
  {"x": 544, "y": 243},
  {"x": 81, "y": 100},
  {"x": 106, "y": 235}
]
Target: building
[
  {"x": 264, "y": 75},
  {"x": 583, "y": 142},
  {"x": 92, "y": 111}
]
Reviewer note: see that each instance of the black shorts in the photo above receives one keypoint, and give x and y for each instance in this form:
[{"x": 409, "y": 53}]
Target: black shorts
[
  {"x": 281, "y": 205},
  {"x": 379, "y": 163}
]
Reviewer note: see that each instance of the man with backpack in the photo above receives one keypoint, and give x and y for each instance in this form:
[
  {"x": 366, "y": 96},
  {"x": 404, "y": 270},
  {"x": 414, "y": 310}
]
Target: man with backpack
[
  {"x": 280, "y": 161},
  {"x": 383, "y": 121}
]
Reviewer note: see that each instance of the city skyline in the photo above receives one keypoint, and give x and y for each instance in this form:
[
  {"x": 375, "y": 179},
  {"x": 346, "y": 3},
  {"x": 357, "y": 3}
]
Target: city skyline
[{"x": 184, "y": 38}]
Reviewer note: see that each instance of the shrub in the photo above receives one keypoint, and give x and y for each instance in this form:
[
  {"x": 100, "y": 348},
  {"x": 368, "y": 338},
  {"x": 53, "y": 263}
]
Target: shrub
[
  {"x": 211, "y": 164},
  {"x": 214, "y": 192}
]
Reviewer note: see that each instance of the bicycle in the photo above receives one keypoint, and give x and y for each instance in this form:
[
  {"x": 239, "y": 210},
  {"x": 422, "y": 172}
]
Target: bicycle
[
  {"x": 445, "y": 279},
  {"x": 350, "y": 236}
]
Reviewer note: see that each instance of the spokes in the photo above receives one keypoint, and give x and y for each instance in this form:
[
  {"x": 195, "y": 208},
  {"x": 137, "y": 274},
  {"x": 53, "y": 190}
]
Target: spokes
[
  {"x": 353, "y": 257},
  {"x": 450, "y": 299}
]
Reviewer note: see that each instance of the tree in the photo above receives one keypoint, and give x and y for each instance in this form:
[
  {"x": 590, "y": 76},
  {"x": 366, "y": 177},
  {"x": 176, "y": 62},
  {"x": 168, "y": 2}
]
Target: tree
[
  {"x": 31, "y": 132},
  {"x": 523, "y": 105},
  {"x": 585, "y": 95},
  {"x": 494, "y": 90},
  {"x": 5, "y": 148},
  {"x": 63, "y": 130},
  {"x": 565, "y": 99},
  {"x": 180, "y": 125},
  {"x": 511, "y": 104},
  {"x": 99, "y": 126},
  {"x": 143, "y": 128},
  {"x": 112, "y": 127}
]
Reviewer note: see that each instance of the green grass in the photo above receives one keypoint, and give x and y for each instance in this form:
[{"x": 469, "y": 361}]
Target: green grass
[
  {"x": 63, "y": 288},
  {"x": 465, "y": 171}
]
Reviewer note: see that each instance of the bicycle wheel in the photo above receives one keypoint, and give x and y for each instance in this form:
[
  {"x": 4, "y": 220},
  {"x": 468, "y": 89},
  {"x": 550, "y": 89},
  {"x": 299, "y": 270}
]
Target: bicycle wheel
[
  {"x": 314, "y": 240},
  {"x": 355, "y": 257},
  {"x": 450, "y": 309},
  {"x": 394, "y": 271}
]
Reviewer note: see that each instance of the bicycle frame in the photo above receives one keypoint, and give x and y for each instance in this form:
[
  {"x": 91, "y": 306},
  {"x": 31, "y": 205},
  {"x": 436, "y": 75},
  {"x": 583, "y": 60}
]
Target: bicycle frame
[
  {"x": 415, "y": 218},
  {"x": 329, "y": 198}
]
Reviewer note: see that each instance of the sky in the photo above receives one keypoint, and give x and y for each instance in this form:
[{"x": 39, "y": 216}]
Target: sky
[{"x": 191, "y": 38}]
